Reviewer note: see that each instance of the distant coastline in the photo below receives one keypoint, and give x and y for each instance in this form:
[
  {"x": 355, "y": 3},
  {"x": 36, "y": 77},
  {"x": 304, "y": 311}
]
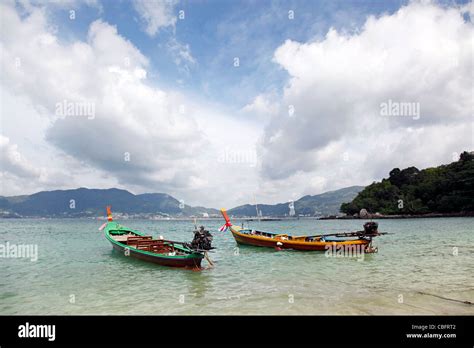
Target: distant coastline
[
  {"x": 245, "y": 219},
  {"x": 398, "y": 216},
  {"x": 84, "y": 202}
]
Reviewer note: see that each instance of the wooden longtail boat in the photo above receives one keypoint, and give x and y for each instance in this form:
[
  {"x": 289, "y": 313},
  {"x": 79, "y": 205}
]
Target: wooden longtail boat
[
  {"x": 319, "y": 242},
  {"x": 136, "y": 244}
]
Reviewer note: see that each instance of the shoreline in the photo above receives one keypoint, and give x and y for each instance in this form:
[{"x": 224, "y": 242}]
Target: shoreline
[
  {"x": 252, "y": 219},
  {"x": 400, "y": 216}
]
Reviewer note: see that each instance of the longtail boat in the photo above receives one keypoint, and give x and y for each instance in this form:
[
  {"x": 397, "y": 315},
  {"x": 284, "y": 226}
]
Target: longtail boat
[
  {"x": 138, "y": 245},
  {"x": 317, "y": 242}
]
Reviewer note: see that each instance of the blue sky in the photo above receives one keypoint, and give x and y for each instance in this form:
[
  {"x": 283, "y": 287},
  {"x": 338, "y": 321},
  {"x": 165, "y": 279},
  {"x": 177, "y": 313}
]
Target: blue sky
[
  {"x": 195, "y": 125},
  {"x": 218, "y": 31}
]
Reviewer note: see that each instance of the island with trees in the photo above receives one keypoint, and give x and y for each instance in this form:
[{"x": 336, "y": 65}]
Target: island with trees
[{"x": 447, "y": 190}]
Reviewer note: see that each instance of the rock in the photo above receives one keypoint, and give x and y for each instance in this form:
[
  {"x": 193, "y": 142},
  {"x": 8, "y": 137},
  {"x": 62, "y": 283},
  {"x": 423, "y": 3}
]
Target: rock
[{"x": 363, "y": 213}]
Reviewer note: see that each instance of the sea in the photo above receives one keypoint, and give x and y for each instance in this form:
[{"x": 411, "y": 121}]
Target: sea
[{"x": 423, "y": 266}]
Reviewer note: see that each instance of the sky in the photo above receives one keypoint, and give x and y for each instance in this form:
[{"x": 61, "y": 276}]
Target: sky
[{"x": 221, "y": 103}]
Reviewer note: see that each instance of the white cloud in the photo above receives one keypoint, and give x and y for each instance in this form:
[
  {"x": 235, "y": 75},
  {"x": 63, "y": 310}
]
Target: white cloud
[
  {"x": 13, "y": 162},
  {"x": 261, "y": 108},
  {"x": 182, "y": 54},
  {"x": 156, "y": 14},
  {"x": 108, "y": 71},
  {"x": 111, "y": 49},
  {"x": 141, "y": 138},
  {"x": 20, "y": 173},
  {"x": 422, "y": 54}
]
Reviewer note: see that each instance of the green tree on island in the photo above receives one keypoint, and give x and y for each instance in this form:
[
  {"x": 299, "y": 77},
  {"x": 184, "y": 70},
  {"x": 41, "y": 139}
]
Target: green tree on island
[{"x": 444, "y": 189}]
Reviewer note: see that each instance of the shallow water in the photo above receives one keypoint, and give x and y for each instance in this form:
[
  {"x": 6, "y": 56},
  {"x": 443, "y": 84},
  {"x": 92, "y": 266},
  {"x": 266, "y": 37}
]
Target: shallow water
[{"x": 77, "y": 272}]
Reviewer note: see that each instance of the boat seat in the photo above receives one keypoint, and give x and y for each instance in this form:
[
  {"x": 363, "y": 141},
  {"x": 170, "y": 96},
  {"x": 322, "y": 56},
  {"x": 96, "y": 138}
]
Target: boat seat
[
  {"x": 299, "y": 238},
  {"x": 282, "y": 237},
  {"x": 134, "y": 239},
  {"x": 149, "y": 241},
  {"x": 120, "y": 238},
  {"x": 155, "y": 246}
]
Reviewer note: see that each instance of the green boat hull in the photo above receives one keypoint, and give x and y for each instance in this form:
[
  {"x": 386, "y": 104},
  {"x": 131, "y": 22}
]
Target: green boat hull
[{"x": 185, "y": 257}]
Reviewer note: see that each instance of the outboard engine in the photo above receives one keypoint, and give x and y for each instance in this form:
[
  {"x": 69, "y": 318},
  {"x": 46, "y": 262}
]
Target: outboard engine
[
  {"x": 371, "y": 228},
  {"x": 202, "y": 239}
]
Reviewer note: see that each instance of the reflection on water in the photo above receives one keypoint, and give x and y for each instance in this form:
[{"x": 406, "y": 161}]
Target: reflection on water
[{"x": 78, "y": 272}]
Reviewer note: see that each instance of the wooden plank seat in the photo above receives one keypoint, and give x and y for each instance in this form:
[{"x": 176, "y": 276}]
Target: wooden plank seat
[
  {"x": 149, "y": 240},
  {"x": 155, "y": 245},
  {"x": 147, "y": 243},
  {"x": 161, "y": 249},
  {"x": 135, "y": 239},
  {"x": 140, "y": 237},
  {"x": 120, "y": 238}
]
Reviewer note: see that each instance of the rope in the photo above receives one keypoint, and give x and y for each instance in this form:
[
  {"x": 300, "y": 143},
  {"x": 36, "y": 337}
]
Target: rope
[
  {"x": 446, "y": 298},
  {"x": 208, "y": 259}
]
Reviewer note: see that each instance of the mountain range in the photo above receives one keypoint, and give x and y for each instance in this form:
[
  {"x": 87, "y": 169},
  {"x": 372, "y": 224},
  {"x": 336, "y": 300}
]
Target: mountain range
[
  {"x": 84, "y": 202},
  {"x": 327, "y": 203}
]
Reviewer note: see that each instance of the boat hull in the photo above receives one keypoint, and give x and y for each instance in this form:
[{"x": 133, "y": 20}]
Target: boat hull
[
  {"x": 187, "y": 258},
  {"x": 261, "y": 241},
  {"x": 194, "y": 262}
]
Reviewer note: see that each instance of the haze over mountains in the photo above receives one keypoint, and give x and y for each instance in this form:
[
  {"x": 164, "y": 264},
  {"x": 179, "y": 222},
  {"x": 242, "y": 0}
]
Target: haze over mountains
[
  {"x": 327, "y": 203},
  {"x": 85, "y": 202}
]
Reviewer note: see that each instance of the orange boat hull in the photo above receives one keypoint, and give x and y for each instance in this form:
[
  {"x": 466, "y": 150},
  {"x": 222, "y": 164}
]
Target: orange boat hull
[{"x": 256, "y": 240}]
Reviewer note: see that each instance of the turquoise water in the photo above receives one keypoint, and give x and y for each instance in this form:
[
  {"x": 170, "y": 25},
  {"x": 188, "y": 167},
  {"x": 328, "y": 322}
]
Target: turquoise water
[{"x": 77, "y": 272}]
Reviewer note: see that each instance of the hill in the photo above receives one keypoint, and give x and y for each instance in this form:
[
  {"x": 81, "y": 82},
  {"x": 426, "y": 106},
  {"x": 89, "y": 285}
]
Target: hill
[
  {"x": 84, "y": 202},
  {"x": 91, "y": 202},
  {"x": 445, "y": 189},
  {"x": 327, "y": 203}
]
